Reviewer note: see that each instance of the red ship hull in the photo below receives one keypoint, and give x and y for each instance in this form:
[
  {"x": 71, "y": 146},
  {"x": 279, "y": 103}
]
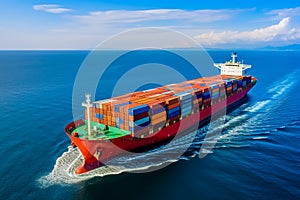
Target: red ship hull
[{"x": 97, "y": 152}]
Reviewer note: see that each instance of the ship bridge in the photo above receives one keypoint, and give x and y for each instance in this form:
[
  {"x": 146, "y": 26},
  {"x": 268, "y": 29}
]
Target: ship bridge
[{"x": 232, "y": 67}]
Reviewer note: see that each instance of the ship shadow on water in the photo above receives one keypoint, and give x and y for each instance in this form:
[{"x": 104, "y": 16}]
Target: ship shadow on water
[{"x": 215, "y": 131}]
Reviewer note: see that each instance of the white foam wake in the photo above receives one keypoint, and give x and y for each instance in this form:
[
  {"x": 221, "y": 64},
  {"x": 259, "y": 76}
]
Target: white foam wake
[
  {"x": 258, "y": 106},
  {"x": 254, "y": 114},
  {"x": 63, "y": 171},
  {"x": 280, "y": 86},
  {"x": 283, "y": 89},
  {"x": 260, "y": 138}
]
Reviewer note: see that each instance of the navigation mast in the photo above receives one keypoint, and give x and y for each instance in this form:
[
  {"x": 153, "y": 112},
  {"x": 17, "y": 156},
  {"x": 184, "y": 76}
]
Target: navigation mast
[{"x": 87, "y": 104}]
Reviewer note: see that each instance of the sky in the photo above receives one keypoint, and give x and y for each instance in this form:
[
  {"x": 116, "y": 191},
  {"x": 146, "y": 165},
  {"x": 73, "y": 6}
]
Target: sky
[{"x": 74, "y": 24}]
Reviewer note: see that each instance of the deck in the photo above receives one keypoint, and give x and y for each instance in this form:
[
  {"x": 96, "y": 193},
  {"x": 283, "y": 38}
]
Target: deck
[{"x": 99, "y": 133}]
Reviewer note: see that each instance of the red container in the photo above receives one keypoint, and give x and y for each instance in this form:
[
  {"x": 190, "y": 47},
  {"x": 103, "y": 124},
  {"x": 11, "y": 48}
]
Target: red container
[
  {"x": 172, "y": 100},
  {"x": 138, "y": 116},
  {"x": 169, "y": 107}
]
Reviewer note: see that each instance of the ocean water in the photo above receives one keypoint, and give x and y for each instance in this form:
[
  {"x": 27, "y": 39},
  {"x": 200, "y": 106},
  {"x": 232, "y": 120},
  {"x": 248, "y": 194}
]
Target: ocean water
[{"x": 257, "y": 155}]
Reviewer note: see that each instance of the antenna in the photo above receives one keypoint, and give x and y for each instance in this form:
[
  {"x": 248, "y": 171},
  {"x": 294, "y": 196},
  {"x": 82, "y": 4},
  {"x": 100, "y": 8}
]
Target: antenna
[
  {"x": 87, "y": 104},
  {"x": 233, "y": 56}
]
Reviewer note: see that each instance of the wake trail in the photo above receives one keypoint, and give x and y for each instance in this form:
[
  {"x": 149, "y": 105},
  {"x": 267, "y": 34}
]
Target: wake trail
[{"x": 254, "y": 115}]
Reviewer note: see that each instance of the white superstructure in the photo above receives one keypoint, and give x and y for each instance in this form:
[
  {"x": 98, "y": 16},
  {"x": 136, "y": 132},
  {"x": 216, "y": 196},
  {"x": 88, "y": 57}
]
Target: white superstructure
[{"x": 232, "y": 67}]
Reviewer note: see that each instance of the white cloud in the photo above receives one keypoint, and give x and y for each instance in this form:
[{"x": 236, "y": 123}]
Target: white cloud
[
  {"x": 51, "y": 8},
  {"x": 283, "y": 31},
  {"x": 135, "y": 16},
  {"x": 211, "y": 28},
  {"x": 286, "y": 12},
  {"x": 90, "y": 29}
]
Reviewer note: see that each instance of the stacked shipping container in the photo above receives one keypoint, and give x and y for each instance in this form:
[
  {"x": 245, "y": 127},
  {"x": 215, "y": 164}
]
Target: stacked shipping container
[{"x": 148, "y": 111}]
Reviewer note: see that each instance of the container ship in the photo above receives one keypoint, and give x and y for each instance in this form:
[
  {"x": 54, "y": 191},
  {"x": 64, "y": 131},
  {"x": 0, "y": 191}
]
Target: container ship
[{"x": 143, "y": 119}]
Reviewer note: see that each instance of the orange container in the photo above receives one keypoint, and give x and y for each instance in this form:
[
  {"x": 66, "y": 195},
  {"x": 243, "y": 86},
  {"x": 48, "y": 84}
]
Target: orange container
[
  {"x": 169, "y": 107},
  {"x": 159, "y": 120},
  {"x": 158, "y": 116}
]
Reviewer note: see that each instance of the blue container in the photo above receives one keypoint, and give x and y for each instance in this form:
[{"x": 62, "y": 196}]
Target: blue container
[
  {"x": 186, "y": 106},
  {"x": 234, "y": 89},
  {"x": 215, "y": 94},
  {"x": 214, "y": 98},
  {"x": 214, "y": 86},
  {"x": 118, "y": 122},
  {"x": 229, "y": 83},
  {"x": 186, "y": 110},
  {"x": 199, "y": 96},
  {"x": 206, "y": 95},
  {"x": 139, "y": 128},
  {"x": 178, "y": 94},
  {"x": 174, "y": 114},
  {"x": 185, "y": 94},
  {"x": 139, "y": 109},
  {"x": 185, "y": 114},
  {"x": 186, "y": 101},
  {"x": 173, "y": 110},
  {"x": 139, "y": 122},
  {"x": 99, "y": 116},
  {"x": 141, "y": 125},
  {"x": 240, "y": 84}
]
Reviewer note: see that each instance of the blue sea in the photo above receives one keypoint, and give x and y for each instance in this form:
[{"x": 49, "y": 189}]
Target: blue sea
[{"x": 256, "y": 156}]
